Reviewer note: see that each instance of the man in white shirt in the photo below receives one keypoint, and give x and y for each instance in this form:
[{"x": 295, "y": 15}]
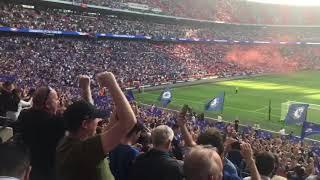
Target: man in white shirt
[
  {"x": 13, "y": 115},
  {"x": 14, "y": 163},
  {"x": 20, "y": 104}
]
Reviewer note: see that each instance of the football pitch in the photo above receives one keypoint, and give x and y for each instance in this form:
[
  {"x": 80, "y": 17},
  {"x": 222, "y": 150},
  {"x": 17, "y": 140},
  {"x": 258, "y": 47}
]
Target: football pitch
[{"x": 251, "y": 104}]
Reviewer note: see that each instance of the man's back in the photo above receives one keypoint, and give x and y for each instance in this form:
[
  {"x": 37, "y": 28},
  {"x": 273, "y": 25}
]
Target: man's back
[
  {"x": 41, "y": 132},
  {"x": 156, "y": 165},
  {"x": 121, "y": 159},
  {"x": 82, "y": 160}
]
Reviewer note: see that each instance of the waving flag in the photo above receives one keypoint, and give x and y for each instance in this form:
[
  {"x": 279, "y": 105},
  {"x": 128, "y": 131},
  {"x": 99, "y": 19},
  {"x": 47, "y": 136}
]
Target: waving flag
[
  {"x": 4, "y": 78},
  {"x": 215, "y": 104},
  {"x": 309, "y": 129},
  {"x": 129, "y": 95},
  {"x": 297, "y": 114},
  {"x": 166, "y": 97}
]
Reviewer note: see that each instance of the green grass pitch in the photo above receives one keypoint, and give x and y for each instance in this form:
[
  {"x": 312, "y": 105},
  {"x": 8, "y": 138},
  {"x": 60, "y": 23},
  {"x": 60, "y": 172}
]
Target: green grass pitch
[{"x": 251, "y": 103}]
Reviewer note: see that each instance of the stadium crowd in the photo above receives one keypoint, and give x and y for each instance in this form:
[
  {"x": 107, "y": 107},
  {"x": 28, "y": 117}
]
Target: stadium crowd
[
  {"x": 16, "y": 16},
  {"x": 140, "y": 142},
  {"x": 57, "y": 61}
]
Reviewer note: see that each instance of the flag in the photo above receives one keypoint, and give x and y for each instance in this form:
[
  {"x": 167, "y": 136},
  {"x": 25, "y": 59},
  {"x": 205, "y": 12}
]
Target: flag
[
  {"x": 309, "y": 129},
  {"x": 5, "y": 78},
  {"x": 294, "y": 139},
  {"x": 129, "y": 95},
  {"x": 215, "y": 104},
  {"x": 297, "y": 114},
  {"x": 165, "y": 97}
]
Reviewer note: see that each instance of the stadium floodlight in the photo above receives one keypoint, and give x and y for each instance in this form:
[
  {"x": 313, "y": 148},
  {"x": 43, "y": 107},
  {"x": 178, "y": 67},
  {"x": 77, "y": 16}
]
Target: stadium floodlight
[{"x": 290, "y": 2}]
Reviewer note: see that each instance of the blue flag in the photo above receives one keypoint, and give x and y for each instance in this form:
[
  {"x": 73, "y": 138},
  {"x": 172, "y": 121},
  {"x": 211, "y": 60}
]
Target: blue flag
[
  {"x": 129, "y": 95},
  {"x": 309, "y": 129},
  {"x": 297, "y": 114},
  {"x": 215, "y": 104},
  {"x": 166, "y": 97},
  {"x": 4, "y": 78}
]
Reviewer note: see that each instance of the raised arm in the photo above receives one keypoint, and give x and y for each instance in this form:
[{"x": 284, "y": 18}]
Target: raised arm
[
  {"x": 310, "y": 169},
  {"x": 113, "y": 120},
  {"x": 181, "y": 121},
  {"x": 247, "y": 154},
  {"x": 125, "y": 116},
  {"x": 84, "y": 84}
]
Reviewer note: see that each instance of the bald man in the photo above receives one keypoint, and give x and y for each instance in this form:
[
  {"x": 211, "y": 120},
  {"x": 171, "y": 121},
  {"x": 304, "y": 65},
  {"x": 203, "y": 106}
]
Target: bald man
[
  {"x": 42, "y": 127},
  {"x": 203, "y": 163}
]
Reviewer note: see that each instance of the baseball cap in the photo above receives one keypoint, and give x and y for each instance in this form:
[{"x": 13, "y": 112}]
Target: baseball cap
[{"x": 80, "y": 111}]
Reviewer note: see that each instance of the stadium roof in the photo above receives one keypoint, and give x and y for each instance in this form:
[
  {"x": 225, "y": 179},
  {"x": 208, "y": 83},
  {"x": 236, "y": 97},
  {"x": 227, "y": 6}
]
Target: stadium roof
[{"x": 290, "y": 2}]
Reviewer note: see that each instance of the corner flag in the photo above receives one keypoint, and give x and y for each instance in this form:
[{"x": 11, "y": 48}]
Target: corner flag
[
  {"x": 166, "y": 97},
  {"x": 297, "y": 114},
  {"x": 216, "y": 104}
]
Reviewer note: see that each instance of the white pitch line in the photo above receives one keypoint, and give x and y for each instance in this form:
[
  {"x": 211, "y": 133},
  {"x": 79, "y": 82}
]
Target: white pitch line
[{"x": 264, "y": 107}]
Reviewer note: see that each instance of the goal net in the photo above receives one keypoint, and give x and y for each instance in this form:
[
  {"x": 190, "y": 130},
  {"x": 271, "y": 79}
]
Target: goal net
[{"x": 312, "y": 114}]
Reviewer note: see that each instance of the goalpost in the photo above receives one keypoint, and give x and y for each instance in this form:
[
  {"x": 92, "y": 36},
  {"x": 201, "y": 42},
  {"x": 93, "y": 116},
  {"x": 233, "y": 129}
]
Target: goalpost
[{"x": 312, "y": 113}]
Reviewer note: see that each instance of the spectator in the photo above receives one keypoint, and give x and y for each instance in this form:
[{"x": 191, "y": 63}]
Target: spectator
[
  {"x": 145, "y": 141},
  {"x": 81, "y": 154},
  {"x": 41, "y": 129},
  {"x": 265, "y": 162},
  {"x": 236, "y": 125},
  {"x": 19, "y": 103},
  {"x": 177, "y": 150},
  {"x": 157, "y": 163},
  {"x": 247, "y": 154},
  {"x": 7, "y": 98},
  {"x": 203, "y": 164},
  {"x": 211, "y": 137},
  {"x": 123, "y": 156},
  {"x": 214, "y": 138},
  {"x": 14, "y": 163}
]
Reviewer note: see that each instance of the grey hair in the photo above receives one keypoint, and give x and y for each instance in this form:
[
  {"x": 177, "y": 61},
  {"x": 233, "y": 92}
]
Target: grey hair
[{"x": 161, "y": 135}]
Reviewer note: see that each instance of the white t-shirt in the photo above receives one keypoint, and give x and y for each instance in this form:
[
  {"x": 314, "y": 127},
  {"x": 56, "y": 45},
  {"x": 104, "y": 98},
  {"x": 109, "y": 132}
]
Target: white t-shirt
[
  {"x": 7, "y": 178},
  {"x": 22, "y": 105},
  {"x": 262, "y": 178}
]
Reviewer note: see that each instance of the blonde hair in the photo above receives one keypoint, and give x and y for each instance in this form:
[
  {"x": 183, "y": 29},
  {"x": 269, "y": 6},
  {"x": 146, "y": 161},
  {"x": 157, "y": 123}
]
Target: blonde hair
[
  {"x": 278, "y": 178},
  {"x": 199, "y": 164}
]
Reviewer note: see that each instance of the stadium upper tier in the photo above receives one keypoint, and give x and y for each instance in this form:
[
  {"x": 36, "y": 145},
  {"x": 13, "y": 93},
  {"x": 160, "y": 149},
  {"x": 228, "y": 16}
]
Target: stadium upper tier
[
  {"x": 58, "y": 61},
  {"x": 60, "y": 19},
  {"x": 231, "y": 11}
]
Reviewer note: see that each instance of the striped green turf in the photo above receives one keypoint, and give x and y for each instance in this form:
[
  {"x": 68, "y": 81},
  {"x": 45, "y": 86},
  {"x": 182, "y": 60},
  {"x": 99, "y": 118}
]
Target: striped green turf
[{"x": 250, "y": 105}]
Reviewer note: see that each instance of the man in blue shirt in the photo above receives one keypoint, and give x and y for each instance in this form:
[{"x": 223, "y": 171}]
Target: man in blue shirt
[
  {"x": 210, "y": 137},
  {"x": 122, "y": 157}
]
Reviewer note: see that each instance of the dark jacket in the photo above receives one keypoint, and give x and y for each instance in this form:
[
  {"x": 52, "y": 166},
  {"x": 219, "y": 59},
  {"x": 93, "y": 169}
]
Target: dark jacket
[
  {"x": 156, "y": 165},
  {"x": 40, "y": 132},
  {"x": 8, "y": 102}
]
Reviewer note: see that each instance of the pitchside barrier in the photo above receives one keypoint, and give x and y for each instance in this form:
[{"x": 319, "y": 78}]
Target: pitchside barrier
[
  {"x": 192, "y": 82},
  {"x": 221, "y": 120}
]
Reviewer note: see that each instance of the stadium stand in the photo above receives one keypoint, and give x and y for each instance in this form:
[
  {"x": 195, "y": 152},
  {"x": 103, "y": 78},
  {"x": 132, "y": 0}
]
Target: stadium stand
[
  {"x": 231, "y": 11},
  {"x": 16, "y": 16}
]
